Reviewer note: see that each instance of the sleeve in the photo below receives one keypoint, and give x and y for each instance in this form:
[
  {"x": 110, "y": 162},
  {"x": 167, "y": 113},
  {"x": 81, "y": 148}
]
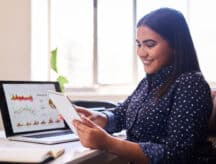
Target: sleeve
[
  {"x": 116, "y": 118},
  {"x": 187, "y": 123}
]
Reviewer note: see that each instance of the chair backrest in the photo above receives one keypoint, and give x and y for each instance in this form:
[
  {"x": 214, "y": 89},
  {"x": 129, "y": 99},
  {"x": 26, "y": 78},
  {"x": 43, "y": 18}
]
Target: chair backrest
[
  {"x": 1, "y": 124},
  {"x": 94, "y": 104},
  {"x": 212, "y": 120}
]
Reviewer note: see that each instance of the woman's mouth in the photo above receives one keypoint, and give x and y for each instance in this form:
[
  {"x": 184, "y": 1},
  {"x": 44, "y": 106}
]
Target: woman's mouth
[{"x": 147, "y": 62}]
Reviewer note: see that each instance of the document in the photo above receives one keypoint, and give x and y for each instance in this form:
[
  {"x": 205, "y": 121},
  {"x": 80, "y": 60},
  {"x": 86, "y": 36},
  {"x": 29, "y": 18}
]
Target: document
[{"x": 20, "y": 154}]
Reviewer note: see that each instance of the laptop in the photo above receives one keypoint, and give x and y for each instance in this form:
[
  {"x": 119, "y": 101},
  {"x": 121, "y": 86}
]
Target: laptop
[{"x": 27, "y": 113}]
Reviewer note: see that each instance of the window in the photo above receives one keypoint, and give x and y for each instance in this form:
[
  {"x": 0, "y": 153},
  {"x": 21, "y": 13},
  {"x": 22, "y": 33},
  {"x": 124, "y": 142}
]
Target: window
[
  {"x": 96, "y": 38},
  {"x": 203, "y": 30},
  {"x": 115, "y": 41},
  {"x": 72, "y": 33}
]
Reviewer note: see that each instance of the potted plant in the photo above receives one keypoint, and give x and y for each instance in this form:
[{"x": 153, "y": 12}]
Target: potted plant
[{"x": 53, "y": 63}]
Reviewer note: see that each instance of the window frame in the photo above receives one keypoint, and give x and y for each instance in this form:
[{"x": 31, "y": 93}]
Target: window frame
[{"x": 97, "y": 88}]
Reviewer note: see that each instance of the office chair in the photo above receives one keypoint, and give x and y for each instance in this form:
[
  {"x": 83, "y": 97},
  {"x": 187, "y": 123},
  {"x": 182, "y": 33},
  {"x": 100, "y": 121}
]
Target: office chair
[{"x": 95, "y": 105}]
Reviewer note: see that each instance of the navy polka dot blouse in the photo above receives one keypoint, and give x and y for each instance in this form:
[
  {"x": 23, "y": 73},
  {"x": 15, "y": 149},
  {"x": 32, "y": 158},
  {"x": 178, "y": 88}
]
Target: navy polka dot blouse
[{"x": 171, "y": 129}]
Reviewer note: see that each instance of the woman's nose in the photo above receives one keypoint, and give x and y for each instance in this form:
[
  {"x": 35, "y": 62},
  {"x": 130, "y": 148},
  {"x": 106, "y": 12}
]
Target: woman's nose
[{"x": 142, "y": 52}]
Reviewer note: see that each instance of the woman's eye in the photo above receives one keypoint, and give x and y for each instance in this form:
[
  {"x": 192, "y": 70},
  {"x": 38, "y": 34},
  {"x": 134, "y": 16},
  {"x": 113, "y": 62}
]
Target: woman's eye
[
  {"x": 150, "y": 43},
  {"x": 138, "y": 45}
]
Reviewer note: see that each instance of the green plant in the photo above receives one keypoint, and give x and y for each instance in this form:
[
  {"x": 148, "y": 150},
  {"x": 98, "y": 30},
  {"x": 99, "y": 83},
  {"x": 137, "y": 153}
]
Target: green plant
[{"x": 53, "y": 62}]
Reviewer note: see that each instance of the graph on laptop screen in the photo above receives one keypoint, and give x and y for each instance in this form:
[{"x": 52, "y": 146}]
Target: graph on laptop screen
[{"x": 30, "y": 108}]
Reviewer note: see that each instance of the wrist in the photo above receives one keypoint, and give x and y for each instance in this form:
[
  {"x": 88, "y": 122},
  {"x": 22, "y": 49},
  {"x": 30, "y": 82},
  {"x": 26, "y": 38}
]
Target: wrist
[
  {"x": 104, "y": 120},
  {"x": 108, "y": 144},
  {"x": 112, "y": 143}
]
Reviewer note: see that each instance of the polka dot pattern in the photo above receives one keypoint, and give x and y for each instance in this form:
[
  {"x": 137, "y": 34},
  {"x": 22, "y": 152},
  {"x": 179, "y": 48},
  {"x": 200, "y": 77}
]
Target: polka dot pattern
[{"x": 172, "y": 129}]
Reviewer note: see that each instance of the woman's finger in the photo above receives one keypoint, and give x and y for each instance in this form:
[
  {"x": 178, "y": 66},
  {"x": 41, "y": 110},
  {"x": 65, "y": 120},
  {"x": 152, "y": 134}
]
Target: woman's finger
[
  {"x": 88, "y": 122},
  {"x": 84, "y": 112},
  {"x": 80, "y": 126},
  {"x": 60, "y": 117}
]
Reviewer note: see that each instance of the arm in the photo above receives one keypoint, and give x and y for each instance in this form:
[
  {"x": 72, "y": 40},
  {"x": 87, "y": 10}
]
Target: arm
[
  {"x": 117, "y": 118},
  {"x": 127, "y": 150},
  {"x": 97, "y": 117},
  {"x": 112, "y": 121},
  {"x": 94, "y": 137}
]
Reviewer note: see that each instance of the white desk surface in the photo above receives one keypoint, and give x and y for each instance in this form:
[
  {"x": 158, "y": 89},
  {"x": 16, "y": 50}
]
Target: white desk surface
[{"x": 74, "y": 152}]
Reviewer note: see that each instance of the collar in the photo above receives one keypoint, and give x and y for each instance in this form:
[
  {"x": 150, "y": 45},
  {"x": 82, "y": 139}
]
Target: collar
[{"x": 160, "y": 77}]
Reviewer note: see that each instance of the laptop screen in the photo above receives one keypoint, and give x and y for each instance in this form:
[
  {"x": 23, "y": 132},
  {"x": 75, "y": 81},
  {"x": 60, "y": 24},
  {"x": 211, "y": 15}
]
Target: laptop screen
[{"x": 27, "y": 108}]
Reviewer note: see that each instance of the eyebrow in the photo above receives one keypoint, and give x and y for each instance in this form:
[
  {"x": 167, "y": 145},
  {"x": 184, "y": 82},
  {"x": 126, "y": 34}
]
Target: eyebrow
[
  {"x": 145, "y": 41},
  {"x": 137, "y": 41}
]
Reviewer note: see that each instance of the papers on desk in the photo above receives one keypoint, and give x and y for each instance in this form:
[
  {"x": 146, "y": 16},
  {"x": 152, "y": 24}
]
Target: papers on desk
[{"x": 28, "y": 154}]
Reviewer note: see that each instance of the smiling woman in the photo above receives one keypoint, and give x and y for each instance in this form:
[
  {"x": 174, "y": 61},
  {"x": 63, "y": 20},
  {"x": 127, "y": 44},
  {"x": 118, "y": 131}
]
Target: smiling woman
[{"x": 166, "y": 117}]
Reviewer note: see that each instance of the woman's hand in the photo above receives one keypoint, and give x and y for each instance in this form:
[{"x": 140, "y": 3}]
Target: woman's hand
[
  {"x": 97, "y": 117},
  {"x": 91, "y": 135},
  {"x": 94, "y": 137}
]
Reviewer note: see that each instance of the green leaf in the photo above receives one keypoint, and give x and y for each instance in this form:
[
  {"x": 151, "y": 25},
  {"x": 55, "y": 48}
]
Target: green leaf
[
  {"x": 62, "y": 81},
  {"x": 53, "y": 60}
]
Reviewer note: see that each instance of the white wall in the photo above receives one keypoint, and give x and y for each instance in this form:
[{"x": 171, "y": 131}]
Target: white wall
[{"x": 15, "y": 25}]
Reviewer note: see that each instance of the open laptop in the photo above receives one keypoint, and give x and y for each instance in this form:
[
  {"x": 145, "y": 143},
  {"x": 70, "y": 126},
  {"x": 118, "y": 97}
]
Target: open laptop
[{"x": 27, "y": 113}]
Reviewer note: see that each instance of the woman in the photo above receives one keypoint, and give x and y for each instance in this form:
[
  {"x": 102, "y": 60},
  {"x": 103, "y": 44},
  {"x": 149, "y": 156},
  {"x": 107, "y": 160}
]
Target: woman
[{"x": 166, "y": 117}]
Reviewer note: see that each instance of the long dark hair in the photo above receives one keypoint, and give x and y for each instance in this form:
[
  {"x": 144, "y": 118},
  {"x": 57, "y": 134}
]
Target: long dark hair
[{"x": 172, "y": 26}]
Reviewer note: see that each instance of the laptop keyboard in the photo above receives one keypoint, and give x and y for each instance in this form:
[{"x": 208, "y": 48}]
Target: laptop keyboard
[{"x": 50, "y": 134}]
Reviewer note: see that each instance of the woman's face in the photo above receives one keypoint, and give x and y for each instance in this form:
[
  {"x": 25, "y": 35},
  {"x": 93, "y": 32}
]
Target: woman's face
[{"x": 153, "y": 50}]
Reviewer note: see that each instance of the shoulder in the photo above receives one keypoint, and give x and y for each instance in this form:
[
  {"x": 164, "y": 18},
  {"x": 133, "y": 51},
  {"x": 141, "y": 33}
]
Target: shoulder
[
  {"x": 192, "y": 81},
  {"x": 191, "y": 77},
  {"x": 141, "y": 85}
]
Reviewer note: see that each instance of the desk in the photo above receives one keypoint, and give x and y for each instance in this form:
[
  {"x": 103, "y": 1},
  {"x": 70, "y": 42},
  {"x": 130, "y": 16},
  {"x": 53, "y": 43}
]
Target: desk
[{"x": 74, "y": 152}]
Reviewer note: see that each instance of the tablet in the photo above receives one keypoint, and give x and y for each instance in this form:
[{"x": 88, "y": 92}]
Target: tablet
[{"x": 65, "y": 108}]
